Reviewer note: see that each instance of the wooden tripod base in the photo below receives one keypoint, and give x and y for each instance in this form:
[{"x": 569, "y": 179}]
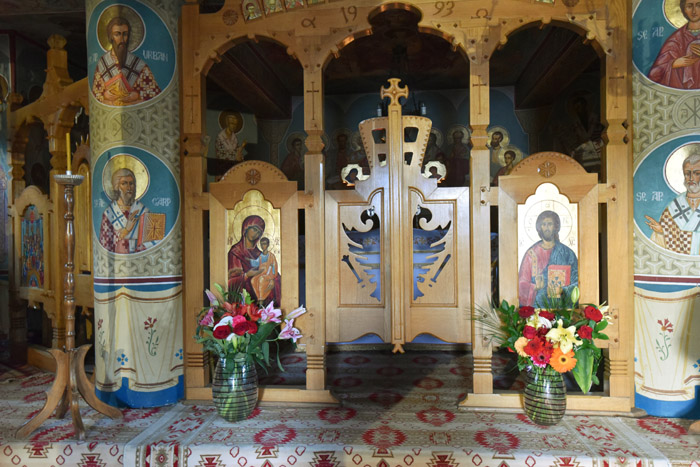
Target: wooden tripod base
[
  {"x": 70, "y": 380},
  {"x": 694, "y": 428}
]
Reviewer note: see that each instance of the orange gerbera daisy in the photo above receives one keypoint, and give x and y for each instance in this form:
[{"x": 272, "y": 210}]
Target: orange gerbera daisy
[{"x": 562, "y": 362}]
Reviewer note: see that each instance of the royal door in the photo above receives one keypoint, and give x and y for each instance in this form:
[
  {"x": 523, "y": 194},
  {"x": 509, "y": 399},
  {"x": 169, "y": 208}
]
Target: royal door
[{"x": 398, "y": 244}]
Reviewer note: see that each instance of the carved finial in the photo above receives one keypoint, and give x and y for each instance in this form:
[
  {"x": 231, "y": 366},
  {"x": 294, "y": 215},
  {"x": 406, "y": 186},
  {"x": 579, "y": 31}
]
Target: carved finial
[
  {"x": 394, "y": 91},
  {"x": 56, "y": 41}
]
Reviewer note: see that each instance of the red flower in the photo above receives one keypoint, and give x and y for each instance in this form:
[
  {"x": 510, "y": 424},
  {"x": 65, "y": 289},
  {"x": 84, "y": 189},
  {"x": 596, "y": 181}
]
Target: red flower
[
  {"x": 542, "y": 331},
  {"x": 585, "y": 332},
  {"x": 532, "y": 347},
  {"x": 542, "y": 357},
  {"x": 254, "y": 313},
  {"x": 547, "y": 315},
  {"x": 230, "y": 309},
  {"x": 222, "y": 332},
  {"x": 540, "y": 350},
  {"x": 666, "y": 325},
  {"x": 529, "y": 332},
  {"x": 252, "y": 327},
  {"x": 593, "y": 313},
  {"x": 239, "y": 325},
  {"x": 244, "y": 309},
  {"x": 526, "y": 311}
]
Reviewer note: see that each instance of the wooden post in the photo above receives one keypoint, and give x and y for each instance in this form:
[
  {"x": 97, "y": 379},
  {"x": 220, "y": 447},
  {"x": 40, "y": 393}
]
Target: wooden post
[
  {"x": 481, "y": 220},
  {"x": 314, "y": 184},
  {"x": 194, "y": 202},
  {"x": 396, "y": 214},
  {"x": 617, "y": 94}
]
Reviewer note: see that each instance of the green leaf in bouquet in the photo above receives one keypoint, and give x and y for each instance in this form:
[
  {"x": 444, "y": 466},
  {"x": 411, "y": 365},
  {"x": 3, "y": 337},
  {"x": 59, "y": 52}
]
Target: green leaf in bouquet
[
  {"x": 277, "y": 354},
  {"x": 583, "y": 370},
  {"x": 601, "y": 325},
  {"x": 266, "y": 352}
]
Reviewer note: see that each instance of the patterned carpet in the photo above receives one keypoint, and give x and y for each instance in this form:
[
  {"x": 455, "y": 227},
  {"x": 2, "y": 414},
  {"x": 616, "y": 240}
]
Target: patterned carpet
[{"x": 396, "y": 410}]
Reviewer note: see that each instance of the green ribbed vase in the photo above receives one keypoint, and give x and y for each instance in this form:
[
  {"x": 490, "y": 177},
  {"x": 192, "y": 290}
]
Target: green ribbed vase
[
  {"x": 545, "y": 395},
  {"x": 235, "y": 388}
]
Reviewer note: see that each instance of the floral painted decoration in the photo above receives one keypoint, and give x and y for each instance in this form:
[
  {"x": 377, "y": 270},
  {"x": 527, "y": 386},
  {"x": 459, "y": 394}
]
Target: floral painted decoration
[
  {"x": 233, "y": 326},
  {"x": 560, "y": 336}
]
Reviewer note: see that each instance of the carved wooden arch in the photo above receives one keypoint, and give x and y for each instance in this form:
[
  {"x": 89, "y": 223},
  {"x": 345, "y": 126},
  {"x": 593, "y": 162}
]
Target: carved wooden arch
[
  {"x": 548, "y": 167},
  {"x": 600, "y": 44},
  {"x": 66, "y": 115},
  {"x": 232, "y": 41},
  {"x": 532, "y": 165},
  {"x": 247, "y": 172}
]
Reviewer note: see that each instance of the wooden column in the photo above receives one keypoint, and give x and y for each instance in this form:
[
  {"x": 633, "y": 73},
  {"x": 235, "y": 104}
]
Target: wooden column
[
  {"x": 481, "y": 219},
  {"x": 194, "y": 202},
  {"x": 617, "y": 94},
  {"x": 314, "y": 323}
]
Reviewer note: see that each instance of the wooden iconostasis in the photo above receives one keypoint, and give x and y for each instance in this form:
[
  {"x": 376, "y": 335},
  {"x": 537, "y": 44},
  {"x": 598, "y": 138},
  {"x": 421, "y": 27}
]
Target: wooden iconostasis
[{"x": 290, "y": 84}]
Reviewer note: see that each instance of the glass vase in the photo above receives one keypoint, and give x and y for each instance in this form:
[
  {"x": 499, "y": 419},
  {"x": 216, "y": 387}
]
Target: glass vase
[
  {"x": 235, "y": 388},
  {"x": 545, "y": 395}
]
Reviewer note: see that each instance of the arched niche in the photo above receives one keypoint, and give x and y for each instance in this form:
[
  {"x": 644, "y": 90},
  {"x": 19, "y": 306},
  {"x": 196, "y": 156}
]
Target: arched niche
[
  {"x": 254, "y": 95},
  {"x": 551, "y": 75},
  {"x": 30, "y": 154},
  {"x": 425, "y": 59}
]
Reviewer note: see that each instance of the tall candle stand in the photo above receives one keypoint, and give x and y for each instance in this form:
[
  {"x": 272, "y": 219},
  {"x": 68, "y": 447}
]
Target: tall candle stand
[{"x": 70, "y": 362}]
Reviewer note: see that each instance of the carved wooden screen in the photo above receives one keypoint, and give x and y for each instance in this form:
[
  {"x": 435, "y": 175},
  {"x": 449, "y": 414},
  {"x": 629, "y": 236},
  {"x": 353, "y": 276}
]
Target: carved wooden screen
[{"x": 397, "y": 246}]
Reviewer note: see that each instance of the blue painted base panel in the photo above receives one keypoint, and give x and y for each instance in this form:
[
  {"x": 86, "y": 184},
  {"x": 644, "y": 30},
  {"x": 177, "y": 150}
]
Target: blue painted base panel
[
  {"x": 676, "y": 409},
  {"x": 125, "y": 397}
]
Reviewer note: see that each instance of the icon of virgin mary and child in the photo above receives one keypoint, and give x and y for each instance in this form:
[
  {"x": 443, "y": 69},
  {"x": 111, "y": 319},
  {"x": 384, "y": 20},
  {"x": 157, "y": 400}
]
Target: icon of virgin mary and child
[{"x": 254, "y": 269}]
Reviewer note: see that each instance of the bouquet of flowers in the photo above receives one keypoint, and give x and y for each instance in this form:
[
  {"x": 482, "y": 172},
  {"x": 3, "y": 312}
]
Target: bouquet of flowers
[
  {"x": 233, "y": 326},
  {"x": 560, "y": 336}
]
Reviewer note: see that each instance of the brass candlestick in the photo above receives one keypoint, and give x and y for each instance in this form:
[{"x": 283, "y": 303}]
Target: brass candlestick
[{"x": 70, "y": 362}]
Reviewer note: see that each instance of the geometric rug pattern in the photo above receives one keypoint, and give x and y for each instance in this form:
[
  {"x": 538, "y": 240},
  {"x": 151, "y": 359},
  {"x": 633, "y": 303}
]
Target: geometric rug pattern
[{"x": 396, "y": 410}]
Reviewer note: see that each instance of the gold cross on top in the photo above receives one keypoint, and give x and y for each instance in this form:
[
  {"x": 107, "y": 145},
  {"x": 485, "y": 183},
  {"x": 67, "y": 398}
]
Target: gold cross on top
[{"x": 394, "y": 91}]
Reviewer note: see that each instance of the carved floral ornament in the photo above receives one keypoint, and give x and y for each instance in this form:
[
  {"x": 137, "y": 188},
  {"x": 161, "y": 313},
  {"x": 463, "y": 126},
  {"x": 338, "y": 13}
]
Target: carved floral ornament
[
  {"x": 547, "y": 169},
  {"x": 252, "y": 177}
]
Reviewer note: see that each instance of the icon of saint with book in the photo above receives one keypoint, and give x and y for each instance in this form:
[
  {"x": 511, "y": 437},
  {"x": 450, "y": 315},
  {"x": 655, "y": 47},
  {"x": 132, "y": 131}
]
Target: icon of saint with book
[
  {"x": 127, "y": 225},
  {"x": 549, "y": 267}
]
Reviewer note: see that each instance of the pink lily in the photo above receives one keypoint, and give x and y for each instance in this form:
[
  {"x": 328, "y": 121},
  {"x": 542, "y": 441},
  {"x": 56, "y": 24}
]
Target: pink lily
[
  {"x": 208, "y": 319},
  {"x": 289, "y": 331},
  {"x": 296, "y": 313},
  {"x": 212, "y": 298},
  {"x": 270, "y": 314}
]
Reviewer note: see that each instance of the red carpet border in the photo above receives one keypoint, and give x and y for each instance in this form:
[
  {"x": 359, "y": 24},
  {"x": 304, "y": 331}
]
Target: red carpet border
[{"x": 397, "y": 410}]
